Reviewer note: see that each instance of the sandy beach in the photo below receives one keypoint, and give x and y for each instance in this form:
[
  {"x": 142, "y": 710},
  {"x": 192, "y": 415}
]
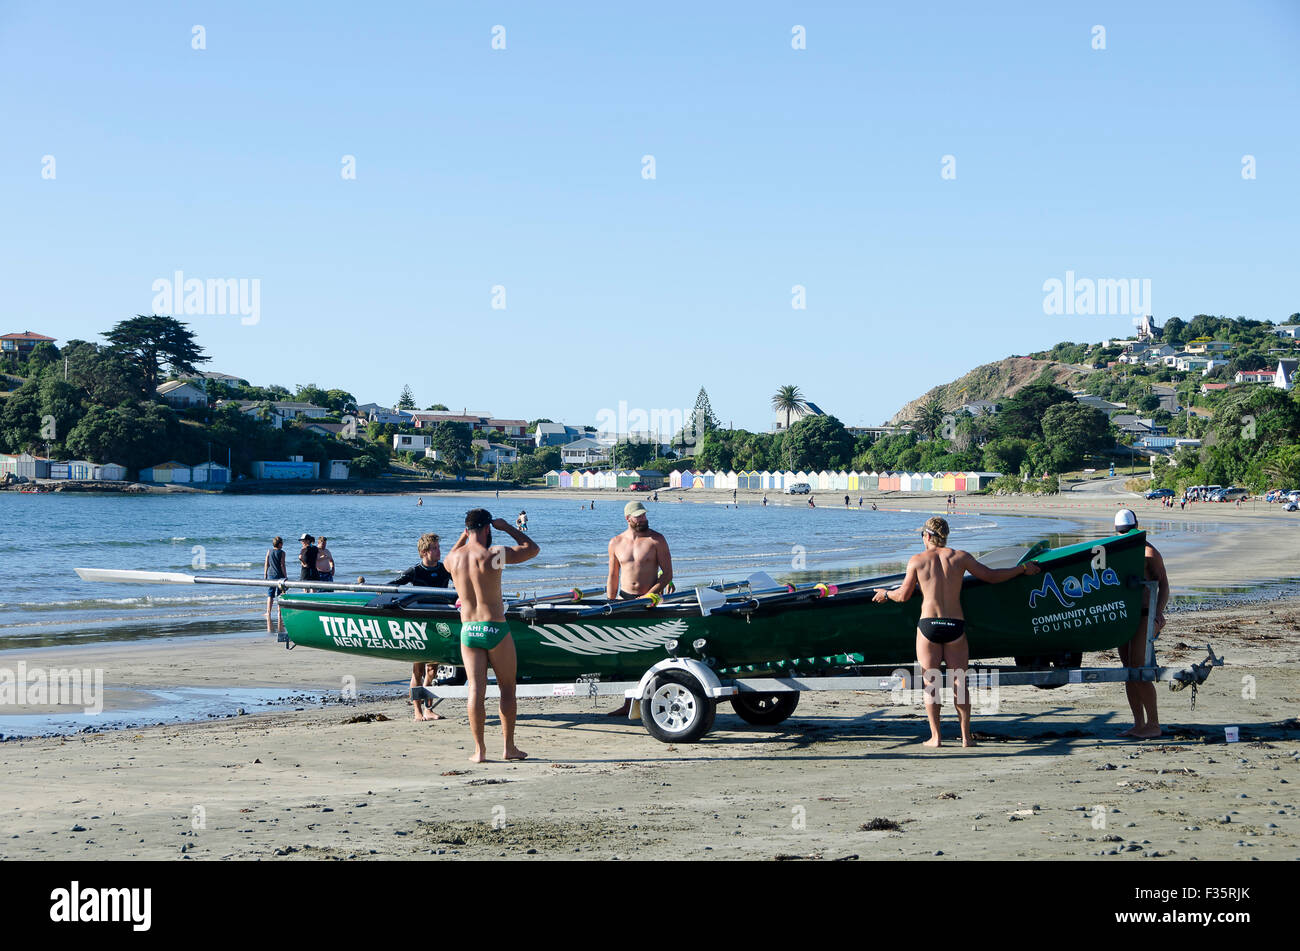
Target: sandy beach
[{"x": 846, "y": 776}]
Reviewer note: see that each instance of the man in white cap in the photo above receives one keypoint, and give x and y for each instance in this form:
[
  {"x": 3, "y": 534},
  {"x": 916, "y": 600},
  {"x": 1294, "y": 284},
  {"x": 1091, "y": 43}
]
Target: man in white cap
[
  {"x": 1142, "y": 694},
  {"x": 640, "y": 565}
]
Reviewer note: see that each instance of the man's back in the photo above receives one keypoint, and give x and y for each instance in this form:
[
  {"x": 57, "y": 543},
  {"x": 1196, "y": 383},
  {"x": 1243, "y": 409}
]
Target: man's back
[
  {"x": 476, "y": 573},
  {"x": 939, "y": 574}
]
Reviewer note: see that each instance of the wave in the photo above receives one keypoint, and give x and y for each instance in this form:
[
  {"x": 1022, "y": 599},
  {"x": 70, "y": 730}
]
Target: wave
[{"x": 138, "y": 601}]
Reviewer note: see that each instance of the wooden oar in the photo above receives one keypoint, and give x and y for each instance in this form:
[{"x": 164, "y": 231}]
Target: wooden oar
[{"x": 175, "y": 577}]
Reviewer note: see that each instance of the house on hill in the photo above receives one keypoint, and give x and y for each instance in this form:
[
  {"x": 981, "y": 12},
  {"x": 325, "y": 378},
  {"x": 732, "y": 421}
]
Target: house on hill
[
  {"x": 809, "y": 409},
  {"x": 181, "y": 394},
  {"x": 1284, "y": 375},
  {"x": 21, "y": 344}
]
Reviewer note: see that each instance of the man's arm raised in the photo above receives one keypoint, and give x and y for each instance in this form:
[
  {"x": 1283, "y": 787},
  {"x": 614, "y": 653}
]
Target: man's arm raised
[{"x": 524, "y": 548}]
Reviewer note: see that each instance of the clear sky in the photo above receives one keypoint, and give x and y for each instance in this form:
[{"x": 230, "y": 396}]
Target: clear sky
[{"x": 523, "y": 167}]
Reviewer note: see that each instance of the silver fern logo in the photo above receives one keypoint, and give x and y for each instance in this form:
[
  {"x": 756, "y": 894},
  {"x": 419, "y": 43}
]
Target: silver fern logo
[{"x": 591, "y": 640}]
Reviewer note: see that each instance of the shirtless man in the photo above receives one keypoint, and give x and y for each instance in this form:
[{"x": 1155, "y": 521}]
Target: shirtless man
[
  {"x": 475, "y": 565},
  {"x": 1142, "y": 694},
  {"x": 941, "y": 631},
  {"x": 639, "y": 565}
]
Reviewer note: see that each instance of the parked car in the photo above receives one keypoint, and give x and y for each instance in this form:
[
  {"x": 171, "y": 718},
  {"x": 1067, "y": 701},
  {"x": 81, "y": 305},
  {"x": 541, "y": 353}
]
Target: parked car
[
  {"x": 798, "y": 488},
  {"x": 1160, "y": 494},
  {"x": 1292, "y": 506}
]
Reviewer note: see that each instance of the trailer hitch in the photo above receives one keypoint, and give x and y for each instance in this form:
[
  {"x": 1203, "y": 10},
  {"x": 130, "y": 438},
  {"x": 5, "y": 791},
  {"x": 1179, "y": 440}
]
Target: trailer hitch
[{"x": 1196, "y": 674}]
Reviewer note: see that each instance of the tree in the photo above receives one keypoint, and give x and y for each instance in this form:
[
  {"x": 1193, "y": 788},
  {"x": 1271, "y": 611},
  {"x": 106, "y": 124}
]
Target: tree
[
  {"x": 702, "y": 420},
  {"x": 452, "y": 443},
  {"x": 134, "y": 436},
  {"x": 151, "y": 343},
  {"x": 1174, "y": 332},
  {"x": 788, "y": 399},
  {"x": 102, "y": 375},
  {"x": 818, "y": 442},
  {"x": 20, "y": 420},
  {"x": 1021, "y": 415},
  {"x": 439, "y": 408},
  {"x": 632, "y": 455},
  {"x": 929, "y": 417},
  {"x": 1072, "y": 431},
  {"x": 406, "y": 400}
]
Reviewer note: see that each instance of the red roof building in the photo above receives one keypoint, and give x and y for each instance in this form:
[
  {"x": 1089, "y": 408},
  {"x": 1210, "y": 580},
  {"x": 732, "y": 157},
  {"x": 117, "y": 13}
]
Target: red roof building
[{"x": 23, "y": 343}]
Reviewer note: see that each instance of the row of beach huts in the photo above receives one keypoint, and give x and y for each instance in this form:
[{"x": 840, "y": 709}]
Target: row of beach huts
[
  {"x": 773, "y": 481},
  {"x": 207, "y": 474}
]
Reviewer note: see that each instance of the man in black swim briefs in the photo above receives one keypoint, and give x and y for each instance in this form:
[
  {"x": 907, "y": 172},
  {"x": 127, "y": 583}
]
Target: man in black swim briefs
[{"x": 941, "y": 631}]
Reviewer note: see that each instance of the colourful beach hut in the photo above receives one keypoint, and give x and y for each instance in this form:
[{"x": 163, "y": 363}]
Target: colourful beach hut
[
  {"x": 944, "y": 483},
  {"x": 959, "y": 482}
]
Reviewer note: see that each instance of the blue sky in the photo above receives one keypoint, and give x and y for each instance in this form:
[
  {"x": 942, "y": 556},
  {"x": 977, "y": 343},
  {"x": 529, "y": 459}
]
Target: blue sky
[{"x": 522, "y": 168}]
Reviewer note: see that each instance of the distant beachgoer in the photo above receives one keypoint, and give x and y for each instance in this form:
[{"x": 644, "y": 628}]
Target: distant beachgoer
[
  {"x": 733, "y": 495},
  {"x": 656, "y": 496},
  {"x": 1142, "y": 694},
  {"x": 859, "y": 501},
  {"x": 498, "y": 493},
  {"x": 476, "y": 565},
  {"x": 307, "y": 559},
  {"x": 361, "y": 579},
  {"x": 764, "y": 500},
  {"x": 273, "y": 570},
  {"x": 811, "y": 503},
  {"x": 324, "y": 561},
  {"x": 874, "y": 507},
  {"x": 523, "y": 518},
  {"x": 427, "y": 573},
  {"x": 419, "y": 501},
  {"x": 941, "y": 631},
  {"x": 846, "y": 501},
  {"x": 1182, "y": 506}
]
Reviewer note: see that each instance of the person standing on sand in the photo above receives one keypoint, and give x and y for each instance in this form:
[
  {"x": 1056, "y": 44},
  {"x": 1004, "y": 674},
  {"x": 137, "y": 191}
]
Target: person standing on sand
[
  {"x": 273, "y": 570},
  {"x": 324, "y": 561},
  {"x": 941, "y": 631},
  {"x": 428, "y": 572},
  {"x": 475, "y": 565},
  {"x": 846, "y": 501},
  {"x": 1142, "y": 694}
]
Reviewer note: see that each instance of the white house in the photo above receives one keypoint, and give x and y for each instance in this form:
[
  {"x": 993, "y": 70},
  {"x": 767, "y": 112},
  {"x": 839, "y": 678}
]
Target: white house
[
  {"x": 583, "y": 452},
  {"x": 809, "y": 409},
  {"x": 182, "y": 395},
  {"x": 493, "y": 454},
  {"x": 1255, "y": 376},
  {"x": 1287, "y": 330},
  {"x": 1284, "y": 375},
  {"x": 403, "y": 442}
]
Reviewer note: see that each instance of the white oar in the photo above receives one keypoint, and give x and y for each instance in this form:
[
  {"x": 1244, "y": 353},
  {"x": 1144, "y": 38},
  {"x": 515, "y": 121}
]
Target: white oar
[{"x": 124, "y": 576}]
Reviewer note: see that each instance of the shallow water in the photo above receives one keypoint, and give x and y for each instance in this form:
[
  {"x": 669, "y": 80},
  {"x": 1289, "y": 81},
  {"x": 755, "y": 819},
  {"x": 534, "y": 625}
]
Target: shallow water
[{"x": 46, "y": 536}]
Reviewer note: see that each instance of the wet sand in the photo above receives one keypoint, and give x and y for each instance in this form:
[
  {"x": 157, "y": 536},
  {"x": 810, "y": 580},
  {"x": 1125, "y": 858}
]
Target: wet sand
[{"x": 1050, "y": 779}]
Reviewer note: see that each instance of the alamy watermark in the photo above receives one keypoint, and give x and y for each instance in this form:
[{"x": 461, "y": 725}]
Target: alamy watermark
[
  {"x": 1105, "y": 296},
  {"x": 650, "y": 424},
  {"x": 59, "y": 686},
  {"x": 976, "y": 685},
  {"x": 214, "y": 297}
]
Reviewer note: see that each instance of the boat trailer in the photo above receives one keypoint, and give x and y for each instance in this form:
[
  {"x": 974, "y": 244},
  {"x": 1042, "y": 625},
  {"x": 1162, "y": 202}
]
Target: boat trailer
[{"x": 676, "y": 699}]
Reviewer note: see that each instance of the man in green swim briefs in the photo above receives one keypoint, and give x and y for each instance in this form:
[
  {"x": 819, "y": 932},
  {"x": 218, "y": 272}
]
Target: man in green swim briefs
[{"x": 475, "y": 565}]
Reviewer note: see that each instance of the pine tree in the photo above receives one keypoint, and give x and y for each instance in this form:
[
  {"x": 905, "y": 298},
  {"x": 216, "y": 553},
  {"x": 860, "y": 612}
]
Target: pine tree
[{"x": 406, "y": 400}]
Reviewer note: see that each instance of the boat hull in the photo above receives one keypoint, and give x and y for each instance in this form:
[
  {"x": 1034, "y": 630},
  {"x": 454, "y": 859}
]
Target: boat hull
[{"x": 1076, "y": 604}]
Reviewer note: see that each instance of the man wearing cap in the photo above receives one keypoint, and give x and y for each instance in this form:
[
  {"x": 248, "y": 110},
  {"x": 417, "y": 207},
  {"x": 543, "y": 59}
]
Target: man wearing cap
[
  {"x": 640, "y": 565},
  {"x": 307, "y": 559},
  {"x": 1142, "y": 694},
  {"x": 941, "y": 630}
]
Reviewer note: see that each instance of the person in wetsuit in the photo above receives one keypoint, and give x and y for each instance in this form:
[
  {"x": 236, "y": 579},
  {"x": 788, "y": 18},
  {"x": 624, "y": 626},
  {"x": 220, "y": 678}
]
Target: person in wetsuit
[
  {"x": 428, "y": 572},
  {"x": 941, "y": 630}
]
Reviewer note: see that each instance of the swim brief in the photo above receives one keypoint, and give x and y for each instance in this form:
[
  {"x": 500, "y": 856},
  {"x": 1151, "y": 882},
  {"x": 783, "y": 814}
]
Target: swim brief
[
  {"x": 941, "y": 630},
  {"x": 624, "y": 596},
  {"x": 484, "y": 634}
]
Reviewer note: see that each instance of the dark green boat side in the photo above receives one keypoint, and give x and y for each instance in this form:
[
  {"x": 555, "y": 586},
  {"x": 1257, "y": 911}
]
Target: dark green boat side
[{"x": 1087, "y": 598}]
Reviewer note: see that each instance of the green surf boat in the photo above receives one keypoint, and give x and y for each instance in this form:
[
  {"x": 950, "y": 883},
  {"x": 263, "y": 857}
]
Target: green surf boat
[{"x": 1087, "y": 598}]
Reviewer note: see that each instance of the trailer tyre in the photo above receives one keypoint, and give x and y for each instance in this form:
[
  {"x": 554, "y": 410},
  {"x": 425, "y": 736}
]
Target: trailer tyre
[
  {"x": 1050, "y": 661},
  {"x": 765, "y": 709},
  {"x": 677, "y": 710}
]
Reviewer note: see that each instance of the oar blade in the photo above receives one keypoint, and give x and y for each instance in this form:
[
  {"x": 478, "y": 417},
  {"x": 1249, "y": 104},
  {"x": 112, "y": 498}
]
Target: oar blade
[{"x": 123, "y": 576}]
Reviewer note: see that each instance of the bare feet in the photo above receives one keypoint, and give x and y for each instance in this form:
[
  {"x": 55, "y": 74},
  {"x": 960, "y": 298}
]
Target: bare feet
[
  {"x": 621, "y": 711},
  {"x": 968, "y": 741},
  {"x": 478, "y": 756},
  {"x": 1146, "y": 733},
  {"x": 514, "y": 752},
  {"x": 933, "y": 742},
  {"x": 430, "y": 715},
  {"x": 1131, "y": 731}
]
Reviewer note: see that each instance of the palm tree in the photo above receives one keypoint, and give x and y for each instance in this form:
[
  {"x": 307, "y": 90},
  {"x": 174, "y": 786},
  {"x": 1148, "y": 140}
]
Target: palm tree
[
  {"x": 788, "y": 399},
  {"x": 929, "y": 417}
]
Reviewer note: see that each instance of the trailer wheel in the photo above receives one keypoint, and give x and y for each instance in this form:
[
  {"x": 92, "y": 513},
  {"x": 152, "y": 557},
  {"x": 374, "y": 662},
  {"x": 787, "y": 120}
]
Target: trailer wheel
[
  {"x": 448, "y": 675},
  {"x": 677, "y": 711},
  {"x": 765, "y": 709},
  {"x": 1050, "y": 662}
]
